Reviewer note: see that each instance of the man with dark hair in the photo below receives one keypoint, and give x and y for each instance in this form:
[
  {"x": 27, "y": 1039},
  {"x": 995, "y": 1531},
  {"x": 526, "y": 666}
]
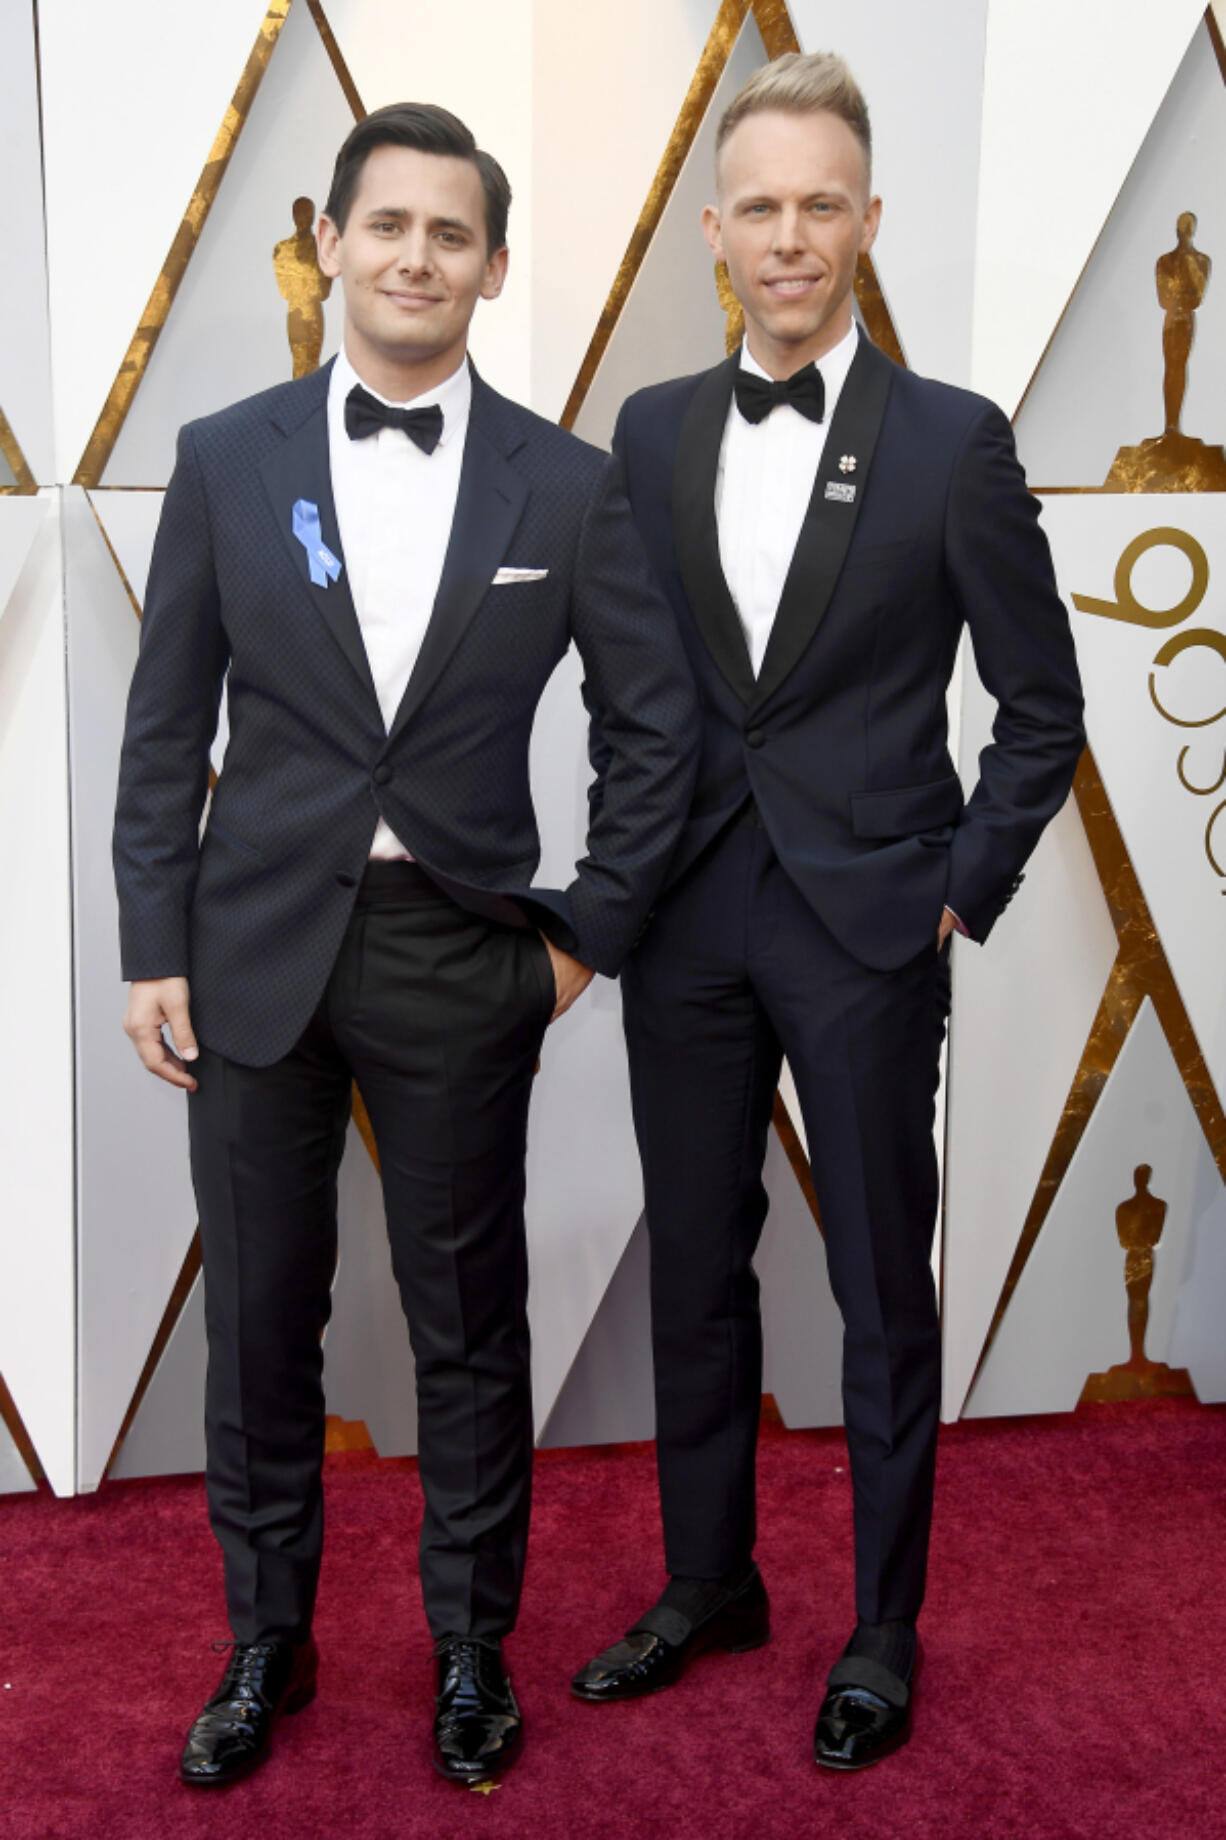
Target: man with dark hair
[
  {"x": 384, "y": 562},
  {"x": 824, "y": 524}
]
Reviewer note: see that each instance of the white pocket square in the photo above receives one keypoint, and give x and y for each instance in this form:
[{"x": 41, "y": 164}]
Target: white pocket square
[{"x": 505, "y": 576}]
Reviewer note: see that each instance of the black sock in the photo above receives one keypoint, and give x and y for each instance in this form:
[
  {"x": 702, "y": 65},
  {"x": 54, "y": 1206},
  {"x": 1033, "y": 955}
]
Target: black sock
[
  {"x": 892, "y": 1644},
  {"x": 698, "y": 1598}
]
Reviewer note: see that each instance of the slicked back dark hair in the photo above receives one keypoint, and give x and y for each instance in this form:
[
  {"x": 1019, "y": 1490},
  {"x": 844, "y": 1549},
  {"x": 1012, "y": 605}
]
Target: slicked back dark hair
[{"x": 429, "y": 129}]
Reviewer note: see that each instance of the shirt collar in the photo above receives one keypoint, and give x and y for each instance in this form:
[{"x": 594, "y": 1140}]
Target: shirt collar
[
  {"x": 453, "y": 395},
  {"x": 833, "y": 367}
]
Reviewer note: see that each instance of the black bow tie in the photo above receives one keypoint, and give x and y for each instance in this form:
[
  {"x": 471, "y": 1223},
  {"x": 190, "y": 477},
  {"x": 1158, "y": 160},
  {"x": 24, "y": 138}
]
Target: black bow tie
[
  {"x": 365, "y": 414},
  {"x": 757, "y": 396}
]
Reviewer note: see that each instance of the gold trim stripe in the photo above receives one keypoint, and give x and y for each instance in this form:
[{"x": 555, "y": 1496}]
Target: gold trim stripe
[
  {"x": 338, "y": 63},
  {"x": 102, "y": 442},
  {"x": 361, "y": 1117},
  {"x": 1215, "y": 38},
  {"x": 774, "y": 22},
  {"x": 25, "y": 484}
]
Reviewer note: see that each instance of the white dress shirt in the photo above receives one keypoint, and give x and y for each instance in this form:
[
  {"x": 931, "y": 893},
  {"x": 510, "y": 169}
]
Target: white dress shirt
[
  {"x": 394, "y": 507},
  {"x": 763, "y": 485}
]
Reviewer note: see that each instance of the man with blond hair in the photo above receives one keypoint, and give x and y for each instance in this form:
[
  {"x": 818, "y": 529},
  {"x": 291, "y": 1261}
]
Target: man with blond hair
[{"x": 824, "y": 524}]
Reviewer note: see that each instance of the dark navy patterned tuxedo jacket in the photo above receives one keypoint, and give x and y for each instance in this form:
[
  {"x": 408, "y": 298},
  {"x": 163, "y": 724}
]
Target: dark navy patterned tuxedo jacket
[
  {"x": 920, "y": 522},
  {"x": 254, "y": 913}
]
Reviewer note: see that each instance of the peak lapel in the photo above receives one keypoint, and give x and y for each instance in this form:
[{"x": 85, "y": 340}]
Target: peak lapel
[
  {"x": 299, "y": 468},
  {"x": 489, "y": 505},
  {"x": 827, "y": 530},
  {"x": 695, "y": 534}
]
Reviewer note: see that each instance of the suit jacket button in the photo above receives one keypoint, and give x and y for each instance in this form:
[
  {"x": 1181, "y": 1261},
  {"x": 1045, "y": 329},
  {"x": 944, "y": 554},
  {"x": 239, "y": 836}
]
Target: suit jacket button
[
  {"x": 382, "y": 774},
  {"x": 754, "y": 737},
  {"x": 347, "y": 881}
]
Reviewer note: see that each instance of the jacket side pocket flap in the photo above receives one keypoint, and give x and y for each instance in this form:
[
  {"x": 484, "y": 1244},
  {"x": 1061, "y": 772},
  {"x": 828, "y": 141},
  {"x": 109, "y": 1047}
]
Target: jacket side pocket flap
[{"x": 904, "y": 810}]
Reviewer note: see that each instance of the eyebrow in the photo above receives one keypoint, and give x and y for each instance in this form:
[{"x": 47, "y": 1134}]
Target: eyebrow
[
  {"x": 402, "y": 214},
  {"x": 823, "y": 191}
]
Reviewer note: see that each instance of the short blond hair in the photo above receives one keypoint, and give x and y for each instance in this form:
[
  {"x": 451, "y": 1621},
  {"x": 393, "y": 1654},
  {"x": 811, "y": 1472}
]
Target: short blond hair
[{"x": 817, "y": 82}]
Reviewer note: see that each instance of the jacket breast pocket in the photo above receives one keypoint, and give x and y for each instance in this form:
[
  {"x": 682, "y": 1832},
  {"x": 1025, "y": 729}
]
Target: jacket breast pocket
[
  {"x": 903, "y": 811},
  {"x": 221, "y": 836},
  {"x": 864, "y": 559}
]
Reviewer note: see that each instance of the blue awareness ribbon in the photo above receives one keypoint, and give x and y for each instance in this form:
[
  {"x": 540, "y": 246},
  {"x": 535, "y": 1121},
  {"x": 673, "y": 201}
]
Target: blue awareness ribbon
[{"x": 322, "y": 563}]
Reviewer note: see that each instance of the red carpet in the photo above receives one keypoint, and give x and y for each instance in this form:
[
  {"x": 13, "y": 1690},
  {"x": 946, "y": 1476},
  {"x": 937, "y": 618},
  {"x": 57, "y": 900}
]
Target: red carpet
[{"x": 1073, "y": 1683}]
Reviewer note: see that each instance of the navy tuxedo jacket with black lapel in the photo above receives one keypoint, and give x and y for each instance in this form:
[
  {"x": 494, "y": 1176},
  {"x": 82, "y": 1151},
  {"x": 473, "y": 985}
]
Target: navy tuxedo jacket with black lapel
[
  {"x": 254, "y": 912},
  {"x": 841, "y": 740}
]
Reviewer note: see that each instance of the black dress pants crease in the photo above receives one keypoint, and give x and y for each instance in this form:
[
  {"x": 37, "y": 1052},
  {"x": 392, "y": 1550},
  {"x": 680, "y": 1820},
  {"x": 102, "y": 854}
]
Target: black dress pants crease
[
  {"x": 438, "y": 1015},
  {"x": 736, "y": 971}
]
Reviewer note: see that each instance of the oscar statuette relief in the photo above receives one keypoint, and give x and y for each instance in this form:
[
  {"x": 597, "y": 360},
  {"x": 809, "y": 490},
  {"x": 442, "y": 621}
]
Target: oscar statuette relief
[
  {"x": 1138, "y": 1222},
  {"x": 304, "y": 287},
  {"x": 1174, "y": 461}
]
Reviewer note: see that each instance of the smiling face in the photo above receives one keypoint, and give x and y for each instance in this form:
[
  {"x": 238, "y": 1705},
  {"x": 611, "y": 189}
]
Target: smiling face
[
  {"x": 794, "y": 216},
  {"x": 413, "y": 261}
]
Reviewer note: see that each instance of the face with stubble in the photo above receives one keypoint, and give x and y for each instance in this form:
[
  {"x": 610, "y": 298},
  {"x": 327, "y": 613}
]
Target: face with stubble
[{"x": 794, "y": 215}]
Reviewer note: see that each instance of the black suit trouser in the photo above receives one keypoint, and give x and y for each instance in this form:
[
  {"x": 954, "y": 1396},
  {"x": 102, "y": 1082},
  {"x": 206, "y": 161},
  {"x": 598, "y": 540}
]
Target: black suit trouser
[
  {"x": 735, "y": 971},
  {"x": 438, "y": 1015}
]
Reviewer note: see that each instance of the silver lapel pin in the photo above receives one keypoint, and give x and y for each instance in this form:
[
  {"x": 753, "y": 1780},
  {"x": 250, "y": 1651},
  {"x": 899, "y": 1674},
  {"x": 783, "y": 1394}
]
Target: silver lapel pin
[{"x": 847, "y": 464}]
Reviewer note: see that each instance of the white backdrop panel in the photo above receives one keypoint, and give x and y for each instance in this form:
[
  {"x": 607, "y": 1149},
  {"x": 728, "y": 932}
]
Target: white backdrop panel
[
  {"x": 130, "y": 520},
  {"x": 1175, "y": 836},
  {"x": 1022, "y": 1009},
  {"x": 609, "y": 79},
  {"x": 584, "y": 1185},
  {"x": 1069, "y": 93},
  {"x": 21, "y": 519},
  {"x": 136, "y": 1213},
  {"x": 672, "y": 322},
  {"x": 25, "y": 359},
  {"x": 15, "y": 1478},
  {"x": 1068, "y": 1317},
  {"x": 166, "y": 1438},
  {"x": 368, "y": 1365},
  {"x": 1197, "y": 1342},
  {"x": 1106, "y": 360},
  {"x": 608, "y": 1397},
  {"x": 133, "y": 95},
  {"x": 225, "y": 336},
  {"x": 36, "y": 1111},
  {"x": 475, "y": 58}
]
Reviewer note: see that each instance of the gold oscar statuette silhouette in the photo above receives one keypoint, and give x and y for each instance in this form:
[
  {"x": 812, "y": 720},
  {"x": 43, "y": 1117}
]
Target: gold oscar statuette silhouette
[
  {"x": 1139, "y": 1222},
  {"x": 734, "y": 317},
  {"x": 1173, "y": 461},
  {"x": 304, "y": 287}
]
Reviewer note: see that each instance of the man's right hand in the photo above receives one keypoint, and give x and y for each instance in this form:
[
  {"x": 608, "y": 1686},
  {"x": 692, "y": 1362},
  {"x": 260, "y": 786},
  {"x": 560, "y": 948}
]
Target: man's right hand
[{"x": 152, "y": 1003}]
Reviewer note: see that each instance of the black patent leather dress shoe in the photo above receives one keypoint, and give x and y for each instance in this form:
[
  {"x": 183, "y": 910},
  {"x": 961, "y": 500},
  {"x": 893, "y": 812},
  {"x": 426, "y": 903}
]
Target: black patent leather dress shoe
[
  {"x": 478, "y": 1730},
  {"x": 232, "y": 1734},
  {"x": 865, "y": 1715},
  {"x": 657, "y": 1651}
]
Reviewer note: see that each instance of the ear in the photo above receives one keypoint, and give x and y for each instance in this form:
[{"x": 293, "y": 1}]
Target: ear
[
  {"x": 872, "y": 223},
  {"x": 327, "y": 244},
  {"x": 711, "y": 230},
  {"x": 495, "y": 274}
]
